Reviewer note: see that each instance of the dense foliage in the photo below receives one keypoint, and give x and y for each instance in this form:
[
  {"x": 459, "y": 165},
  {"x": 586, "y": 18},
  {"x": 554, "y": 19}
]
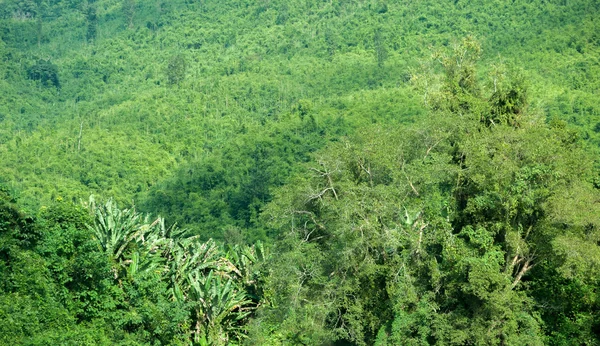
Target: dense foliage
[
  {"x": 364, "y": 172},
  {"x": 444, "y": 232},
  {"x": 109, "y": 275}
]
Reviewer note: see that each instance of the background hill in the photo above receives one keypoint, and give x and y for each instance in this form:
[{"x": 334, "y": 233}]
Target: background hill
[{"x": 183, "y": 106}]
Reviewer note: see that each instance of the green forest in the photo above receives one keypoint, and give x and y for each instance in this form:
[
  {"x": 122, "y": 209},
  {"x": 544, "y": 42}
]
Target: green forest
[{"x": 299, "y": 172}]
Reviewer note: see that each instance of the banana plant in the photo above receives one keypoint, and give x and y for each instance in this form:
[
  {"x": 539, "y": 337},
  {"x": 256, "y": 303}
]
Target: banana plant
[
  {"x": 121, "y": 232},
  {"x": 213, "y": 283},
  {"x": 245, "y": 259},
  {"x": 149, "y": 255},
  {"x": 189, "y": 255},
  {"x": 210, "y": 281},
  {"x": 219, "y": 305}
]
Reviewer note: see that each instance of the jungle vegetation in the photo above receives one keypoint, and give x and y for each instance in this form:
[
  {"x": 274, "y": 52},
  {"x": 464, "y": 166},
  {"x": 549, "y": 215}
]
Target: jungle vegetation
[{"x": 299, "y": 172}]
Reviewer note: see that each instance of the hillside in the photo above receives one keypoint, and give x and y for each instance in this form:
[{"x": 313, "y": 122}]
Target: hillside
[
  {"x": 222, "y": 115},
  {"x": 125, "y": 120}
]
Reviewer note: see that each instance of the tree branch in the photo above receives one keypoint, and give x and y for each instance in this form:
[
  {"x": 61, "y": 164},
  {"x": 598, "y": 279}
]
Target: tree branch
[{"x": 524, "y": 269}]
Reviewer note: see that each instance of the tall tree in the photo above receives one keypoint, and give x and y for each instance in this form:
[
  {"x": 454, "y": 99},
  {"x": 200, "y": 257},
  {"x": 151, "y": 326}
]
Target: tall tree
[
  {"x": 428, "y": 233},
  {"x": 129, "y": 9},
  {"x": 92, "y": 22}
]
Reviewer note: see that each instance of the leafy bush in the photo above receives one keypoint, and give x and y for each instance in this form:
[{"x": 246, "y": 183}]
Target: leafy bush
[{"x": 44, "y": 71}]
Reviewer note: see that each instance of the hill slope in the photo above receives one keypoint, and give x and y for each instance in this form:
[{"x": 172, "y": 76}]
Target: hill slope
[{"x": 150, "y": 89}]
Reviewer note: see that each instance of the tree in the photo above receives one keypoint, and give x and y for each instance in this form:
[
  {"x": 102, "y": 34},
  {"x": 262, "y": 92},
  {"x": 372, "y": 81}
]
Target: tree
[
  {"x": 176, "y": 69},
  {"x": 429, "y": 233},
  {"x": 92, "y": 23},
  {"x": 380, "y": 47},
  {"x": 129, "y": 11},
  {"x": 44, "y": 71}
]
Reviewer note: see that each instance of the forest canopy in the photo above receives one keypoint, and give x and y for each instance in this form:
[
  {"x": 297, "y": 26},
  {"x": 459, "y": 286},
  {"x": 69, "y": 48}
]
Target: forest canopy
[{"x": 365, "y": 172}]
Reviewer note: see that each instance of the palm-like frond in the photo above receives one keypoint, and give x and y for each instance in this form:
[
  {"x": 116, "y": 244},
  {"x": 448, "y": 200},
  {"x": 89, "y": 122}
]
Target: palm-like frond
[
  {"x": 219, "y": 304},
  {"x": 127, "y": 236},
  {"x": 114, "y": 228},
  {"x": 244, "y": 259},
  {"x": 200, "y": 274}
]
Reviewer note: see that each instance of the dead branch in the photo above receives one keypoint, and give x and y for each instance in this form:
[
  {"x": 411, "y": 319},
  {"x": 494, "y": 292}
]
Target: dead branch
[
  {"x": 432, "y": 147},
  {"x": 526, "y": 267},
  {"x": 368, "y": 171},
  {"x": 312, "y": 218},
  {"x": 423, "y": 226},
  {"x": 325, "y": 174},
  {"x": 408, "y": 179}
]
